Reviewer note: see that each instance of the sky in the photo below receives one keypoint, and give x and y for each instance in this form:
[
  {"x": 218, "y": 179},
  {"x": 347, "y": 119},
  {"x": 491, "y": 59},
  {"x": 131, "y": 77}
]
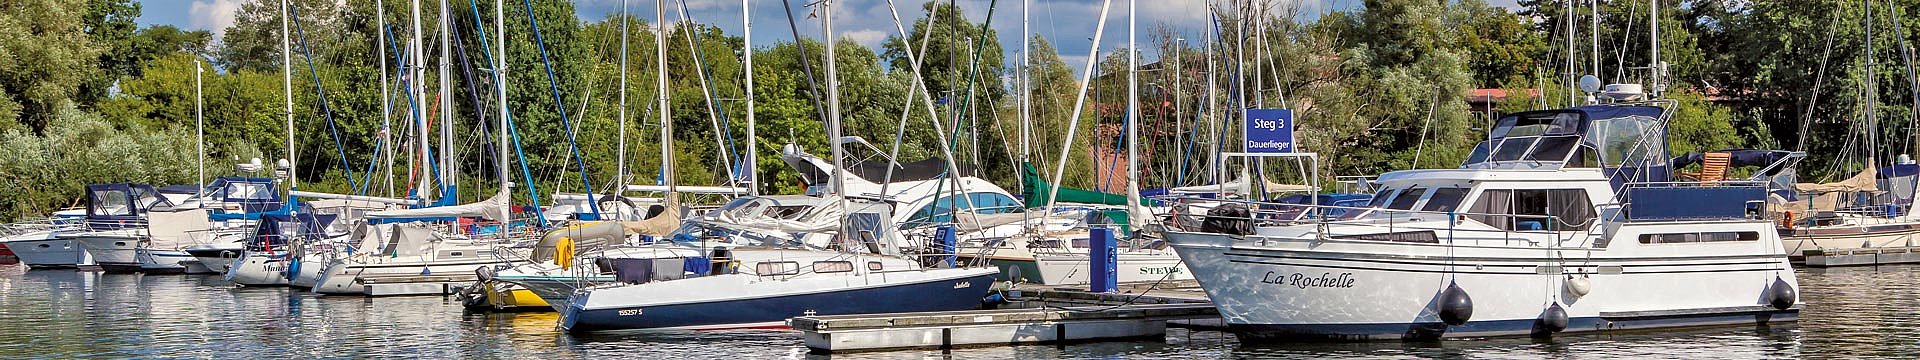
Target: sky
[{"x": 1068, "y": 24}]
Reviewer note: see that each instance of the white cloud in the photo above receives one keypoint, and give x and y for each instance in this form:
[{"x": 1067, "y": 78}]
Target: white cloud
[
  {"x": 214, "y": 15},
  {"x": 869, "y": 38}
]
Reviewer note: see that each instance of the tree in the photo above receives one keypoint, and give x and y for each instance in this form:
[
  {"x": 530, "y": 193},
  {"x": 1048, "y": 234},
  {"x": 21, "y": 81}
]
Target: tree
[{"x": 44, "y": 54}]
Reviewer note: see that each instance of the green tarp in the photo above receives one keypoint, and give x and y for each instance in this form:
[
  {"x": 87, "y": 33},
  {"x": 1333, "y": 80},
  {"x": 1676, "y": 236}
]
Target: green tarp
[{"x": 1037, "y": 189}]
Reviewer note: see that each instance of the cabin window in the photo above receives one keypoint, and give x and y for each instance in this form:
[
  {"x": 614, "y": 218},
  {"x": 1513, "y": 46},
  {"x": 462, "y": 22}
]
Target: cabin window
[
  {"x": 875, "y": 266},
  {"x": 1444, "y": 199},
  {"x": 1480, "y": 152},
  {"x": 1407, "y": 198},
  {"x": 1554, "y": 148},
  {"x": 1513, "y": 148},
  {"x": 777, "y": 268},
  {"x": 941, "y": 210},
  {"x": 832, "y": 266},
  {"x": 1407, "y": 236},
  {"x": 1698, "y": 237},
  {"x": 1380, "y": 198},
  {"x": 1533, "y": 210},
  {"x": 112, "y": 203}
]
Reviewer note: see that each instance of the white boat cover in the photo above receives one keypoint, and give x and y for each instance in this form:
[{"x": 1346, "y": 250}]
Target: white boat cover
[
  {"x": 594, "y": 234},
  {"x": 175, "y": 229},
  {"x": 489, "y": 209},
  {"x": 1238, "y": 187},
  {"x": 823, "y": 218}
]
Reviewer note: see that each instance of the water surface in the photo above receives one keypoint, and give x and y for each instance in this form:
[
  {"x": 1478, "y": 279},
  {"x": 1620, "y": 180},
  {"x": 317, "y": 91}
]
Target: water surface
[{"x": 1851, "y": 312}]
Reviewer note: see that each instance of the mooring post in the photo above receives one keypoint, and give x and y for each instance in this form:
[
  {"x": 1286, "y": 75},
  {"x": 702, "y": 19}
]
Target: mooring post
[
  {"x": 948, "y": 245},
  {"x": 1103, "y": 275}
]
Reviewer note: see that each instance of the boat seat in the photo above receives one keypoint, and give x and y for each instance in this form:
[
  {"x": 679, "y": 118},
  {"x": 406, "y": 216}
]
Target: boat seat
[{"x": 1714, "y": 167}]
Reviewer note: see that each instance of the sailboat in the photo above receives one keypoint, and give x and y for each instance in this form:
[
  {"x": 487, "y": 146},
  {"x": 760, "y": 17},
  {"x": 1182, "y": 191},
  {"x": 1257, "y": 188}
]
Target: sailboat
[{"x": 855, "y": 265}]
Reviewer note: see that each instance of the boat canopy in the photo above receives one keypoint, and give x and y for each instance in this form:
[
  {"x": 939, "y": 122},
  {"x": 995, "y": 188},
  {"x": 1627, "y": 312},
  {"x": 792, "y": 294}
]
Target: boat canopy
[
  {"x": 1628, "y": 141},
  {"x": 122, "y": 201}
]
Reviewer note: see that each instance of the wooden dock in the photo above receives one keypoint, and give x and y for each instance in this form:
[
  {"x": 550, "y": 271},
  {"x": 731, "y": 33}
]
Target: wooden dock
[
  {"x": 1862, "y": 256},
  {"x": 1034, "y": 315}
]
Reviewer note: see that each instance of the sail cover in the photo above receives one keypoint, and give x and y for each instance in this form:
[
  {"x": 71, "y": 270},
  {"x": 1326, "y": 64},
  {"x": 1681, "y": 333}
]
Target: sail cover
[
  {"x": 489, "y": 209},
  {"x": 1036, "y": 190}
]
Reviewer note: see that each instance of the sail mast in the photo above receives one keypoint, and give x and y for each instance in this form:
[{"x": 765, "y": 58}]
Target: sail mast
[
  {"x": 620, "y": 165},
  {"x": 833, "y": 116},
  {"x": 500, "y": 90},
  {"x": 660, "y": 92},
  {"x": 1134, "y": 212},
  {"x": 286, "y": 69},
  {"x": 415, "y": 72},
  {"x": 448, "y": 177},
  {"x": 752, "y": 164}
]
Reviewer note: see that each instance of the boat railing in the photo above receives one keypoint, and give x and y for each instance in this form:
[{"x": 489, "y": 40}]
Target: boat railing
[
  {"x": 42, "y": 224},
  {"x": 117, "y": 224},
  {"x": 1387, "y": 224}
]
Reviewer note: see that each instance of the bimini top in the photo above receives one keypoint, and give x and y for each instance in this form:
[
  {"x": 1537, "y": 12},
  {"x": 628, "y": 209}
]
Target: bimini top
[
  {"x": 1629, "y": 140},
  {"x": 106, "y": 201}
]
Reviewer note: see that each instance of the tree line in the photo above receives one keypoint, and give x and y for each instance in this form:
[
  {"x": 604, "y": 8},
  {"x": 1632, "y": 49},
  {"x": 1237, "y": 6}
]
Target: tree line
[{"x": 89, "y": 96}]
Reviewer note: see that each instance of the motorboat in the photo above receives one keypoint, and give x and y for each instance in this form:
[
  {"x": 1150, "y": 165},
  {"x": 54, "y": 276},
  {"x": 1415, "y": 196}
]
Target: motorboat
[
  {"x": 116, "y": 225},
  {"x": 1563, "y": 221},
  {"x": 38, "y": 243}
]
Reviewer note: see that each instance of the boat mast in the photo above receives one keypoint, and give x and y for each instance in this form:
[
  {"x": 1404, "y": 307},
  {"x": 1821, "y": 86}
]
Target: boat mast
[
  {"x": 500, "y": 89},
  {"x": 386, "y": 95},
  {"x": 1654, "y": 68},
  {"x": 451, "y": 182},
  {"x": 1079, "y": 104},
  {"x": 415, "y": 72},
  {"x": 286, "y": 70},
  {"x": 1134, "y": 212},
  {"x": 833, "y": 117},
  {"x": 1213, "y": 128},
  {"x": 1025, "y": 78},
  {"x": 199, "y": 128},
  {"x": 752, "y": 164},
  {"x": 620, "y": 165},
  {"x": 660, "y": 92}
]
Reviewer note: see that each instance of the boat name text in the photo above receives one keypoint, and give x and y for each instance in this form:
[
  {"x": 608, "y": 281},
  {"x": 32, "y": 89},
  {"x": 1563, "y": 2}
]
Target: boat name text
[{"x": 1303, "y": 281}]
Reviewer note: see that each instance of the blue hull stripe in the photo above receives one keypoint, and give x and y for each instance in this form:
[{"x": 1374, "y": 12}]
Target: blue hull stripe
[
  {"x": 1430, "y": 331},
  {"x": 939, "y": 295}
]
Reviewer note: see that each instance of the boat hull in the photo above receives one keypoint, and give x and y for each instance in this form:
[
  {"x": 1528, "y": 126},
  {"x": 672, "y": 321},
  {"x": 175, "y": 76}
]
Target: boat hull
[
  {"x": 113, "y": 251},
  {"x": 215, "y": 259},
  {"x": 1334, "y": 290},
  {"x": 1073, "y": 269},
  {"x": 934, "y": 293},
  {"x": 345, "y": 277},
  {"x": 1865, "y": 237},
  {"x": 255, "y": 268},
  {"x": 156, "y": 261},
  {"x": 50, "y": 253}
]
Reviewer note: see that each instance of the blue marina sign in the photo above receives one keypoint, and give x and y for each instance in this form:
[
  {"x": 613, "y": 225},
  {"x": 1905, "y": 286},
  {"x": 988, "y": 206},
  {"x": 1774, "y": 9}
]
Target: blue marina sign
[{"x": 1269, "y": 130}]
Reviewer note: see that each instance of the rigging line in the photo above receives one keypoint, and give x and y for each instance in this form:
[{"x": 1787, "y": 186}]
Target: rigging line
[
  {"x": 382, "y": 144},
  {"x": 806, "y": 64},
  {"x": 1913, "y": 82},
  {"x": 722, "y": 126},
  {"x": 1820, "y": 76},
  {"x": 560, "y": 104},
  {"x": 405, "y": 83},
  {"x": 473, "y": 93},
  {"x": 533, "y": 191},
  {"x": 913, "y": 89},
  {"x": 321, "y": 90}
]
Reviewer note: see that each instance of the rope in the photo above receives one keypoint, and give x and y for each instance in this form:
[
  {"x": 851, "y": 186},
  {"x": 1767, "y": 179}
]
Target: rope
[
  {"x": 533, "y": 191},
  {"x": 560, "y": 104},
  {"x": 321, "y": 90}
]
